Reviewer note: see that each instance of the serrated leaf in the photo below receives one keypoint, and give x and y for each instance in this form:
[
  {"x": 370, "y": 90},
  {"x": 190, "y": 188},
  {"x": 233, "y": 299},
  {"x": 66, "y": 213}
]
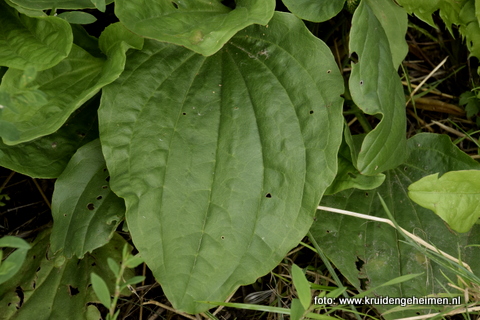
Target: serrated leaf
[
  {"x": 370, "y": 252},
  {"x": 57, "y": 4},
  {"x": 223, "y": 154},
  {"x": 101, "y": 290},
  {"x": 66, "y": 86},
  {"x": 40, "y": 42},
  {"x": 85, "y": 211},
  {"x": 45, "y": 290},
  {"x": 455, "y": 197},
  {"x": 315, "y": 10},
  {"x": 47, "y": 157},
  {"x": 202, "y": 26},
  {"x": 77, "y": 17},
  {"x": 301, "y": 285},
  {"x": 376, "y": 89}
]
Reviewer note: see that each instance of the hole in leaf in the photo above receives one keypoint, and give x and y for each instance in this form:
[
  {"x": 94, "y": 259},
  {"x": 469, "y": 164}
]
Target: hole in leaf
[
  {"x": 359, "y": 263},
  {"x": 81, "y": 134},
  {"x": 184, "y": 113},
  {"x": 99, "y": 198},
  {"x": 175, "y": 5},
  {"x": 107, "y": 179},
  {"x": 268, "y": 195},
  {"x": 311, "y": 111},
  {"x": 64, "y": 215},
  {"x": 329, "y": 71},
  {"x": 93, "y": 264},
  {"x": 366, "y": 194},
  {"x": 104, "y": 187},
  {"x": 354, "y": 57},
  {"x": 361, "y": 82},
  {"x": 104, "y": 169},
  {"x": 38, "y": 269},
  {"x": 222, "y": 237},
  {"x": 19, "y": 292},
  {"x": 229, "y": 3},
  {"x": 90, "y": 206},
  {"x": 73, "y": 291}
]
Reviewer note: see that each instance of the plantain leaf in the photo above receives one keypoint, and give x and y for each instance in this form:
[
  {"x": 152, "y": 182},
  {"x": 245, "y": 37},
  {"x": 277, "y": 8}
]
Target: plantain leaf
[
  {"x": 376, "y": 89},
  {"x": 315, "y": 10},
  {"x": 455, "y": 197},
  {"x": 58, "y": 4},
  {"x": 369, "y": 254},
  {"x": 47, "y": 157},
  {"x": 202, "y": 26},
  {"x": 85, "y": 211},
  {"x": 49, "y": 287},
  {"x": 220, "y": 157},
  {"x": 40, "y": 42},
  {"x": 46, "y": 103}
]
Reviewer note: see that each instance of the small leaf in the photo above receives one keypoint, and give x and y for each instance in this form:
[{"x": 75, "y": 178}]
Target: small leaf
[
  {"x": 113, "y": 265},
  {"x": 302, "y": 286},
  {"x": 455, "y": 197},
  {"x": 77, "y": 17},
  {"x": 315, "y": 10},
  {"x": 134, "y": 261},
  {"x": 14, "y": 242},
  {"x": 99, "y": 4},
  {"x": 132, "y": 281},
  {"x": 296, "y": 310},
  {"x": 101, "y": 289},
  {"x": 202, "y": 26}
]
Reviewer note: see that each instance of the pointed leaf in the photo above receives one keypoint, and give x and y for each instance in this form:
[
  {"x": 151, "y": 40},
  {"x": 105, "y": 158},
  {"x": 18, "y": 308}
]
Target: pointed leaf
[
  {"x": 369, "y": 254},
  {"x": 47, "y": 157},
  {"x": 46, "y": 288},
  {"x": 296, "y": 310},
  {"x": 113, "y": 265},
  {"x": 301, "y": 285},
  {"x": 77, "y": 17},
  {"x": 315, "y": 10},
  {"x": 202, "y": 26},
  {"x": 85, "y": 211},
  {"x": 99, "y": 4},
  {"x": 455, "y": 197},
  {"x": 376, "y": 88},
  {"x": 66, "y": 86},
  {"x": 219, "y": 156},
  {"x": 41, "y": 42}
]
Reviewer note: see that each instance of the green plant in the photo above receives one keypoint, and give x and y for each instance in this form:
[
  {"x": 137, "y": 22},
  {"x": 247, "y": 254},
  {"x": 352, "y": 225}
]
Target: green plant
[{"x": 219, "y": 131}]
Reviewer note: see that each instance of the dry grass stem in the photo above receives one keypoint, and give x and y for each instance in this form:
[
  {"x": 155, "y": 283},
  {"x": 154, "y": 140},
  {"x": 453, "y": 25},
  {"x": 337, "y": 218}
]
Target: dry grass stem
[
  {"x": 164, "y": 306},
  {"x": 387, "y": 221},
  {"x": 455, "y": 132}
]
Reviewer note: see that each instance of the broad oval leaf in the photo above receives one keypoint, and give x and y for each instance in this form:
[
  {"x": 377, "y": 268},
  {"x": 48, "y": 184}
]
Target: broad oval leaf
[
  {"x": 202, "y": 26},
  {"x": 58, "y": 4},
  {"x": 376, "y": 89},
  {"x": 85, "y": 211},
  {"x": 455, "y": 197},
  {"x": 222, "y": 159},
  {"x": 77, "y": 17},
  {"x": 39, "y": 42},
  {"x": 315, "y": 10},
  {"x": 369, "y": 253}
]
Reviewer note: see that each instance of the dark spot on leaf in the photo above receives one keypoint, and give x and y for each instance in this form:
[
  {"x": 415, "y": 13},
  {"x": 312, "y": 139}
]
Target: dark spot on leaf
[
  {"x": 268, "y": 195},
  {"x": 366, "y": 194},
  {"x": 405, "y": 169},
  {"x": 54, "y": 145},
  {"x": 104, "y": 187},
  {"x": 93, "y": 264},
  {"x": 81, "y": 134},
  {"x": 329, "y": 71},
  {"x": 104, "y": 169},
  {"x": 184, "y": 113},
  {"x": 311, "y": 111},
  {"x": 34, "y": 284},
  {"x": 222, "y": 237},
  {"x": 64, "y": 215},
  {"x": 99, "y": 198},
  {"x": 34, "y": 257},
  {"x": 38, "y": 269},
  {"x": 229, "y": 3},
  {"x": 73, "y": 291},
  {"x": 19, "y": 292},
  {"x": 328, "y": 231},
  {"x": 175, "y": 5},
  {"x": 107, "y": 179},
  {"x": 361, "y": 82},
  {"x": 90, "y": 206}
]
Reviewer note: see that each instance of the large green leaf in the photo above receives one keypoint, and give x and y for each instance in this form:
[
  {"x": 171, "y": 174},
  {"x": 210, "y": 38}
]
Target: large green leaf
[
  {"x": 57, "y": 4},
  {"x": 43, "y": 106},
  {"x": 222, "y": 159},
  {"x": 39, "y": 42},
  {"x": 85, "y": 211},
  {"x": 455, "y": 197},
  {"x": 376, "y": 88},
  {"x": 315, "y": 10},
  {"x": 47, "y": 157},
  {"x": 49, "y": 287},
  {"x": 369, "y": 253},
  {"x": 202, "y": 26}
]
